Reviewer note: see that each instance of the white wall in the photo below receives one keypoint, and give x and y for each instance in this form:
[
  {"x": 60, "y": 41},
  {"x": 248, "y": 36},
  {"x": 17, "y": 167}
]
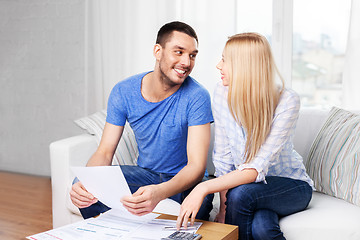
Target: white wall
[{"x": 42, "y": 84}]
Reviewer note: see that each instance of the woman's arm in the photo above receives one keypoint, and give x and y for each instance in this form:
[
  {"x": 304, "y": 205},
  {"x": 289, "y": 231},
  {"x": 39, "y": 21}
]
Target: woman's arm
[{"x": 193, "y": 201}]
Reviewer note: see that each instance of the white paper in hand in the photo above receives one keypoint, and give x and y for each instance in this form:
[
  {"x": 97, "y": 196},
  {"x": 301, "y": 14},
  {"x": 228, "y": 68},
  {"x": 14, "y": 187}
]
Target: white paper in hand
[{"x": 106, "y": 183}]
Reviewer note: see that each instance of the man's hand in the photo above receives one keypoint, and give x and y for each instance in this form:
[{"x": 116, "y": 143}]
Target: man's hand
[
  {"x": 143, "y": 201},
  {"x": 80, "y": 197}
]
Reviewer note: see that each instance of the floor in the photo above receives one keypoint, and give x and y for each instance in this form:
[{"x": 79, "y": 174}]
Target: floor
[{"x": 25, "y": 205}]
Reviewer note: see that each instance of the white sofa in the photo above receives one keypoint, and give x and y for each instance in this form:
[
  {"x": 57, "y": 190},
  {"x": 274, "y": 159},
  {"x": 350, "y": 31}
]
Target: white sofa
[{"x": 325, "y": 218}]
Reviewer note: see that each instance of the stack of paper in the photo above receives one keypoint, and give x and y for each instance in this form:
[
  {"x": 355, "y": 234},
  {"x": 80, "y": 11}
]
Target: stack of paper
[{"x": 116, "y": 223}]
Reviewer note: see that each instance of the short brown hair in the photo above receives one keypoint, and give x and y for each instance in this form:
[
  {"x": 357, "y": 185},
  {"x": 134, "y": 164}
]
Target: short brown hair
[{"x": 165, "y": 31}]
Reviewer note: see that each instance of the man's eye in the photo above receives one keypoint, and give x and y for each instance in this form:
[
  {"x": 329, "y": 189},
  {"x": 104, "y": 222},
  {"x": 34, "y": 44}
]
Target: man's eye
[
  {"x": 178, "y": 52},
  {"x": 193, "y": 56}
]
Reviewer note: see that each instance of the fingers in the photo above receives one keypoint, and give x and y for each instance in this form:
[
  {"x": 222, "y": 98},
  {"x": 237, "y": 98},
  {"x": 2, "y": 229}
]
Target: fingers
[
  {"x": 137, "y": 205},
  {"x": 136, "y": 208},
  {"x": 136, "y": 198},
  {"x": 183, "y": 219},
  {"x": 193, "y": 214},
  {"x": 80, "y": 197},
  {"x": 139, "y": 192},
  {"x": 179, "y": 221}
]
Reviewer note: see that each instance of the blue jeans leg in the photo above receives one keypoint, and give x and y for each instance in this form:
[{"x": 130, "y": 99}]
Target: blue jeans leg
[
  {"x": 266, "y": 225},
  {"x": 282, "y": 196},
  {"x": 93, "y": 210},
  {"x": 206, "y": 207},
  {"x": 137, "y": 177}
]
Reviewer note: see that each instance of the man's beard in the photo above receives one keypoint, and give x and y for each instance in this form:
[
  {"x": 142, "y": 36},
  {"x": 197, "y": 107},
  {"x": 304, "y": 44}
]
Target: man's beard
[{"x": 167, "y": 80}]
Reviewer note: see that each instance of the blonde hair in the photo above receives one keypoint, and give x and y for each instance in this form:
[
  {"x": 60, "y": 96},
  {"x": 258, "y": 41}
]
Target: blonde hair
[{"x": 253, "y": 94}]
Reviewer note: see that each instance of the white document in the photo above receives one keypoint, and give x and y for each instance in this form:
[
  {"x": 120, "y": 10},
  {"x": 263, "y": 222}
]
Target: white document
[
  {"x": 160, "y": 228},
  {"x": 111, "y": 225},
  {"x": 115, "y": 225},
  {"x": 106, "y": 183}
]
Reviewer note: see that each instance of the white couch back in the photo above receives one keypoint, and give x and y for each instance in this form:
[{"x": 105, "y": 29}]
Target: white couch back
[{"x": 309, "y": 124}]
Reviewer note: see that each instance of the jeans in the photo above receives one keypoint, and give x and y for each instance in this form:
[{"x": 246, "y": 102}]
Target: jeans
[
  {"x": 257, "y": 207},
  {"x": 137, "y": 177}
]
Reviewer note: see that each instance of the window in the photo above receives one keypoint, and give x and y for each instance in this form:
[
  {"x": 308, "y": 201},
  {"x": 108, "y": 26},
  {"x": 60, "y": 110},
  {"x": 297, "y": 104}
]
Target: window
[
  {"x": 320, "y": 30},
  {"x": 248, "y": 20}
]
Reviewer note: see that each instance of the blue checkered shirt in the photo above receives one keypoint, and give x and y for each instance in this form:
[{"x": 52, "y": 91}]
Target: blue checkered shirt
[{"x": 276, "y": 156}]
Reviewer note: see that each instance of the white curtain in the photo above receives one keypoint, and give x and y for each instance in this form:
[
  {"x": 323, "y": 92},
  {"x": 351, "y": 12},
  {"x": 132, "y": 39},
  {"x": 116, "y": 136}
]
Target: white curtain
[
  {"x": 351, "y": 75},
  {"x": 121, "y": 36}
]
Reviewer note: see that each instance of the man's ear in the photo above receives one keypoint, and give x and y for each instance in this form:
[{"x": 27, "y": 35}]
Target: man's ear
[{"x": 157, "y": 51}]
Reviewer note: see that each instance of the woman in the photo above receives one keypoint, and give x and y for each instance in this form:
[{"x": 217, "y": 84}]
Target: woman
[{"x": 259, "y": 175}]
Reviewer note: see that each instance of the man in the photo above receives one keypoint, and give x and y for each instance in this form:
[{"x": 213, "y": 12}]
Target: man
[{"x": 170, "y": 114}]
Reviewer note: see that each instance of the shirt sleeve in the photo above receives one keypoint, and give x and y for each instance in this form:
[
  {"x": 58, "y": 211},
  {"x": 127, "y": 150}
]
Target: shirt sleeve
[
  {"x": 116, "y": 111},
  {"x": 282, "y": 128},
  {"x": 222, "y": 157},
  {"x": 200, "y": 109}
]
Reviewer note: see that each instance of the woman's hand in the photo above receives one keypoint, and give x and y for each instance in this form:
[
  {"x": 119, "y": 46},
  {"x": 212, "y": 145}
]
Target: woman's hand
[
  {"x": 220, "y": 217},
  {"x": 191, "y": 206}
]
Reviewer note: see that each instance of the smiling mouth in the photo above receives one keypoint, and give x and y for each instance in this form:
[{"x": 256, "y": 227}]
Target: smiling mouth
[{"x": 180, "y": 71}]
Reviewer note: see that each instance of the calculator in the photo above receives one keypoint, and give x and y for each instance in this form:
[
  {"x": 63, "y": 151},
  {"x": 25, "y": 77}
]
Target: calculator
[{"x": 183, "y": 236}]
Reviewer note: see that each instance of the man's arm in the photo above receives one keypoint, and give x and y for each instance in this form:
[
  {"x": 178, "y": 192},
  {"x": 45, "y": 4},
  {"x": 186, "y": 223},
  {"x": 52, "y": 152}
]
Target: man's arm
[
  {"x": 102, "y": 157},
  {"x": 109, "y": 141},
  {"x": 146, "y": 198}
]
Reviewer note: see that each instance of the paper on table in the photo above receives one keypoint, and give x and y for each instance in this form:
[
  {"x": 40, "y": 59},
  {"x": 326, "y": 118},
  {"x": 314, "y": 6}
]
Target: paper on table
[
  {"x": 111, "y": 225},
  {"x": 106, "y": 183},
  {"x": 156, "y": 229}
]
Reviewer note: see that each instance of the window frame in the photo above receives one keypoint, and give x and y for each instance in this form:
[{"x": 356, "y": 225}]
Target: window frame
[{"x": 282, "y": 37}]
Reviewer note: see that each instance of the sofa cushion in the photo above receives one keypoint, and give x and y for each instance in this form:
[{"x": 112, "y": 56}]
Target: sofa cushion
[
  {"x": 126, "y": 152},
  {"x": 325, "y": 218},
  {"x": 333, "y": 161}
]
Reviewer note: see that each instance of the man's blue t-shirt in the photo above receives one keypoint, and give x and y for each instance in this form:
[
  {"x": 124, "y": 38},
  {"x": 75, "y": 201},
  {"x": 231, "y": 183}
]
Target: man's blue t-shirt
[{"x": 160, "y": 128}]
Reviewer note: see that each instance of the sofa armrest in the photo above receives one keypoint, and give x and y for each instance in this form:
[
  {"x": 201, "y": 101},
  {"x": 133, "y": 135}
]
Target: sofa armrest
[
  {"x": 76, "y": 151},
  {"x": 73, "y": 151}
]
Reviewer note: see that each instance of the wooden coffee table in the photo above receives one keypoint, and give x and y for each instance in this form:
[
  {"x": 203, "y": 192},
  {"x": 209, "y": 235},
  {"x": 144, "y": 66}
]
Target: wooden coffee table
[{"x": 212, "y": 230}]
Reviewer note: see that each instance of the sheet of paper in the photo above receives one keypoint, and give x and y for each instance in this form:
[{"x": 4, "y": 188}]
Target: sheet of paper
[
  {"x": 158, "y": 228},
  {"x": 112, "y": 225},
  {"x": 106, "y": 183}
]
